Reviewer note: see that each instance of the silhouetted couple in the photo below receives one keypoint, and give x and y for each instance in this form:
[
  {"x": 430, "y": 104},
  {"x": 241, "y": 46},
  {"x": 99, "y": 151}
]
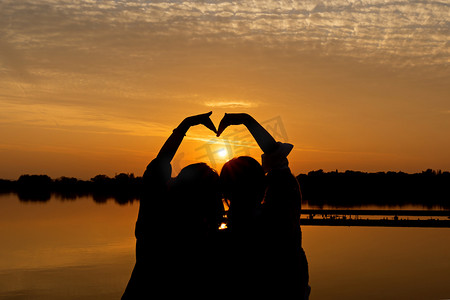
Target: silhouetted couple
[{"x": 180, "y": 251}]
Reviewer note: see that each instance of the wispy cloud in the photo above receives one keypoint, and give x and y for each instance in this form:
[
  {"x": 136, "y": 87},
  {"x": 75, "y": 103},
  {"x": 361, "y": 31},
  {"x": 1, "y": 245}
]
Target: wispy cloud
[
  {"x": 399, "y": 32},
  {"x": 231, "y": 104}
]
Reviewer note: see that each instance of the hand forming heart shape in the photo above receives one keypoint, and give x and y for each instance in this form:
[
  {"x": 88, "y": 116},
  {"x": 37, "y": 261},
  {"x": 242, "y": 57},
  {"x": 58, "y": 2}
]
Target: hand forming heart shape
[{"x": 227, "y": 120}]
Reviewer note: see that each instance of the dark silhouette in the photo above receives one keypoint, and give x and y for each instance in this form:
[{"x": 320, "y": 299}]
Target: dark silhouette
[
  {"x": 123, "y": 188},
  {"x": 350, "y": 188},
  {"x": 243, "y": 184},
  {"x": 34, "y": 188},
  {"x": 264, "y": 217},
  {"x": 195, "y": 193},
  {"x": 177, "y": 244},
  {"x": 7, "y": 186}
]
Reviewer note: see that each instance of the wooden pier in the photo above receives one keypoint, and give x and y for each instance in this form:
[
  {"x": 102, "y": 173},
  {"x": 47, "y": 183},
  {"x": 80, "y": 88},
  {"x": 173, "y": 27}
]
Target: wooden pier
[{"x": 378, "y": 218}]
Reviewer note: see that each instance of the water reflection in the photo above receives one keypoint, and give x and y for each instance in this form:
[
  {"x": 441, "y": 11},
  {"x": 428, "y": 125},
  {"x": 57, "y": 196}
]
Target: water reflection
[
  {"x": 378, "y": 262},
  {"x": 79, "y": 249},
  {"x": 65, "y": 250}
]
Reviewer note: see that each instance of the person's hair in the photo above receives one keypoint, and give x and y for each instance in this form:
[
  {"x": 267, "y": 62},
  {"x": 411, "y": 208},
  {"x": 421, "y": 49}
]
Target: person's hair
[
  {"x": 243, "y": 182},
  {"x": 198, "y": 195}
]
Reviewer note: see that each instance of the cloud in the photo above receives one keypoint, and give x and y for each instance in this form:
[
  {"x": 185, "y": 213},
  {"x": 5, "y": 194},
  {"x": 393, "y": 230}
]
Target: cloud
[
  {"x": 230, "y": 104},
  {"x": 76, "y": 51},
  {"x": 11, "y": 61},
  {"x": 399, "y": 32}
]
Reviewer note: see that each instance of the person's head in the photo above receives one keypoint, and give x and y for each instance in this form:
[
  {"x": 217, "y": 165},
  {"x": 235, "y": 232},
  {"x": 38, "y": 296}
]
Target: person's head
[
  {"x": 243, "y": 183},
  {"x": 198, "y": 196}
]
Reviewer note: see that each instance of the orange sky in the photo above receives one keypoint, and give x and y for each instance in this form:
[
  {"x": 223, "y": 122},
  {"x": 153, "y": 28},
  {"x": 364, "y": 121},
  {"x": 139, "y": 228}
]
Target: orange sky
[{"x": 89, "y": 88}]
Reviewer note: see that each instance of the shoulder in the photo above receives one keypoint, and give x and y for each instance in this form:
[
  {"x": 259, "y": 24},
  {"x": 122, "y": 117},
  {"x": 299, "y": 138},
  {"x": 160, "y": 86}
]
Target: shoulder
[{"x": 159, "y": 170}]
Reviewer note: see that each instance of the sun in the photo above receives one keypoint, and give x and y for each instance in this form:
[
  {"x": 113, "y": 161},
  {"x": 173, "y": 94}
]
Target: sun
[{"x": 223, "y": 152}]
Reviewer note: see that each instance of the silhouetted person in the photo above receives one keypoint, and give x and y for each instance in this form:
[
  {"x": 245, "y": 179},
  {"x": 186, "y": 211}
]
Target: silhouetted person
[
  {"x": 264, "y": 219},
  {"x": 177, "y": 252},
  {"x": 242, "y": 181}
]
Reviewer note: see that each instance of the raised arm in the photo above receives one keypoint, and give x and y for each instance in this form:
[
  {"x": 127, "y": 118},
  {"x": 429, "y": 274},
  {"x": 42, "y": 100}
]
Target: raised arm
[
  {"x": 172, "y": 144},
  {"x": 265, "y": 141}
]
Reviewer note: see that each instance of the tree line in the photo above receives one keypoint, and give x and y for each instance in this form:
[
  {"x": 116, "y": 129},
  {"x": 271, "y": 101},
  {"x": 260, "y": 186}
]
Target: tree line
[
  {"x": 123, "y": 188},
  {"x": 350, "y": 188},
  {"x": 341, "y": 189}
]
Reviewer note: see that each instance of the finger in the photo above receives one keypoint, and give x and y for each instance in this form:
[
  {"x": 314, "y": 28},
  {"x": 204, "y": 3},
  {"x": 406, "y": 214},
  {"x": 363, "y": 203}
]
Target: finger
[
  {"x": 205, "y": 115},
  {"x": 208, "y": 122},
  {"x": 198, "y": 119},
  {"x": 210, "y": 125},
  {"x": 223, "y": 125}
]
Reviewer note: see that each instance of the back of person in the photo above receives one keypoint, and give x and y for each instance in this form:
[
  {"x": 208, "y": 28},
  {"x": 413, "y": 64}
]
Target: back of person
[
  {"x": 176, "y": 248},
  {"x": 267, "y": 256},
  {"x": 199, "y": 212},
  {"x": 282, "y": 237},
  {"x": 242, "y": 180}
]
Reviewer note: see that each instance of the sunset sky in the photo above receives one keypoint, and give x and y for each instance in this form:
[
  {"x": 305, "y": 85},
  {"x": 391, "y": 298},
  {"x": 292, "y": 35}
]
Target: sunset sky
[{"x": 95, "y": 87}]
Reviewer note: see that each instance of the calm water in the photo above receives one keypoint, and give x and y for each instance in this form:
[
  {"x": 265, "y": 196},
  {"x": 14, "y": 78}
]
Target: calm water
[{"x": 84, "y": 250}]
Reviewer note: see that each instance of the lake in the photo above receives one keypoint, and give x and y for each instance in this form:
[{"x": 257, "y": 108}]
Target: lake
[{"x": 80, "y": 249}]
